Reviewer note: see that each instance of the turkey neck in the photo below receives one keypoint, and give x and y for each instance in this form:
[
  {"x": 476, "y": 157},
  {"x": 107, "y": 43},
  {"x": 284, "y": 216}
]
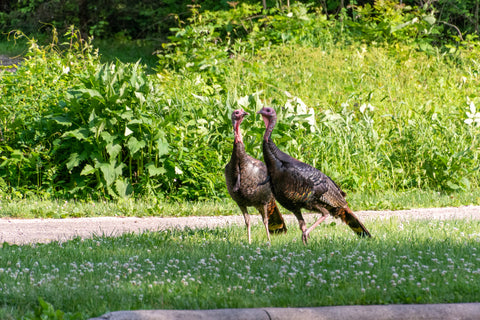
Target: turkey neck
[
  {"x": 271, "y": 152},
  {"x": 238, "y": 146},
  {"x": 237, "y": 133},
  {"x": 269, "y": 124}
]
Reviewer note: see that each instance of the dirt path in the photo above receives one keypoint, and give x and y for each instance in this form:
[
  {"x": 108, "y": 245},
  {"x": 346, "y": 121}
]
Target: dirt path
[{"x": 24, "y": 231}]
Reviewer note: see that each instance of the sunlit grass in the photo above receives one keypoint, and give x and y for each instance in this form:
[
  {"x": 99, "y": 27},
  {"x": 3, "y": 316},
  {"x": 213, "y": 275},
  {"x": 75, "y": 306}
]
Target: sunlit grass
[
  {"x": 413, "y": 135},
  {"x": 388, "y": 200},
  {"x": 406, "y": 262}
]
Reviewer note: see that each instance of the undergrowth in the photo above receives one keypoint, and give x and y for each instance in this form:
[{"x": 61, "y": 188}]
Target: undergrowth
[{"x": 378, "y": 108}]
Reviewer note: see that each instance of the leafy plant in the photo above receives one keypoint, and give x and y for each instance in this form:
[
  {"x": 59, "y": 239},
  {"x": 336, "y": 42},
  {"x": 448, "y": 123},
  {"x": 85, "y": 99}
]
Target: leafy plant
[
  {"x": 46, "y": 311},
  {"x": 390, "y": 21},
  {"x": 384, "y": 117},
  {"x": 119, "y": 135}
]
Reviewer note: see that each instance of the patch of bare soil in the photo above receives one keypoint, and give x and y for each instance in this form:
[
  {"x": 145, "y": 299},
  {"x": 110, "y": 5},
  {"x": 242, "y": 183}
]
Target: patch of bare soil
[{"x": 26, "y": 231}]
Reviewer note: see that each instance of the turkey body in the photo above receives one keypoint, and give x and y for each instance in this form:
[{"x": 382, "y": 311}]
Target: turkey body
[
  {"x": 297, "y": 185},
  {"x": 245, "y": 177}
]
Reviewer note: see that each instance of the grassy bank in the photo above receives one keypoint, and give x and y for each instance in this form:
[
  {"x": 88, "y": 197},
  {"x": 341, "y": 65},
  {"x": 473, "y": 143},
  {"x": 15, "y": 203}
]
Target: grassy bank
[
  {"x": 413, "y": 262},
  {"x": 36, "y": 208}
]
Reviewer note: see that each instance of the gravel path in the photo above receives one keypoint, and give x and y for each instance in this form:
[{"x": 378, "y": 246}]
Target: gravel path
[{"x": 25, "y": 231}]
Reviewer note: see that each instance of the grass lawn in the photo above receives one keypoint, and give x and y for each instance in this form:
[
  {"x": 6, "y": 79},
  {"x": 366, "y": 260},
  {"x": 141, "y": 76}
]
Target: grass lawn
[
  {"x": 389, "y": 200},
  {"x": 415, "y": 262}
]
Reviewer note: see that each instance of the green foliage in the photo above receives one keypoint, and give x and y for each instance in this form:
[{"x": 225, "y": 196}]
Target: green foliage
[
  {"x": 27, "y": 96},
  {"x": 108, "y": 130},
  {"x": 100, "y": 19},
  {"x": 153, "y": 19},
  {"x": 46, "y": 311},
  {"x": 391, "y": 114},
  {"x": 391, "y": 22}
]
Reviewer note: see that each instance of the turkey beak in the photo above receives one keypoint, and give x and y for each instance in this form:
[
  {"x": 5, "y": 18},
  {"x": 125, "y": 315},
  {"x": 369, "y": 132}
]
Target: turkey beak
[{"x": 245, "y": 113}]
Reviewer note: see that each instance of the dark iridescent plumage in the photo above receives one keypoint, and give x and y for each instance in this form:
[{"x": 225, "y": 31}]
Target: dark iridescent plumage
[
  {"x": 297, "y": 185},
  {"x": 244, "y": 176}
]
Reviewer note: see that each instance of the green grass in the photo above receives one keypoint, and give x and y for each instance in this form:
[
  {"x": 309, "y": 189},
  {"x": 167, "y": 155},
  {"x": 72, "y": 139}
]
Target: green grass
[
  {"x": 406, "y": 262},
  {"x": 35, "y": 208},
  {"x": 414, "y": 134},
  {"x": 10, "y": 47},
  {"x": 128, "y": 51}
]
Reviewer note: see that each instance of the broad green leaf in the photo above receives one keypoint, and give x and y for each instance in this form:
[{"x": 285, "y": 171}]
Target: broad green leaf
[
  {"x": 17, "y": 154},
  {"x": 107, "y": 137},
  {"x": 121, "y": 92},
  {"x": 97, "y": 126},
  {"x": 127, "y": 114},
  {"x": 430, "y": 19},
  {"x": 124, "y": 188},
  {"x": 201, "y": 98},
  {"x": 79, "y": 134},
  {"x": 87, "y": 170},
  {"x": 134, "y": 145},
  {"x": 73, "y": 161},
  {"x": 403, "y": 25},
  {"x": 162, "y": 147},
  {"x": 62, "y": 120},
  {"x": 453, "y": 186},
  {"x": 110, "y": 171},
  {"x": 87, "y": 93},
  {"x": 92, "y": 116},
  {"x": 141, "y": 120},
  {"x": 140, "y": 97},
  {"x": 113, "y": 149},
  {"x": 465, "y": 182},
  {"x": 154, "y": 171}
]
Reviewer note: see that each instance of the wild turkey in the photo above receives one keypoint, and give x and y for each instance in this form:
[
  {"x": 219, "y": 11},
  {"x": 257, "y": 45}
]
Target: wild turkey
[
  {"x": 243, "y": 175},
  {"x": 297, "y": 185}
]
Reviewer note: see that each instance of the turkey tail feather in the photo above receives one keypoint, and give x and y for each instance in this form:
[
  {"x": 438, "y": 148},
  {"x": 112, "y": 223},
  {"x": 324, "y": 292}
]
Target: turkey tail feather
[
  {"x": 276, "y": 224},
  {"x": 347, "y": 216}
]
